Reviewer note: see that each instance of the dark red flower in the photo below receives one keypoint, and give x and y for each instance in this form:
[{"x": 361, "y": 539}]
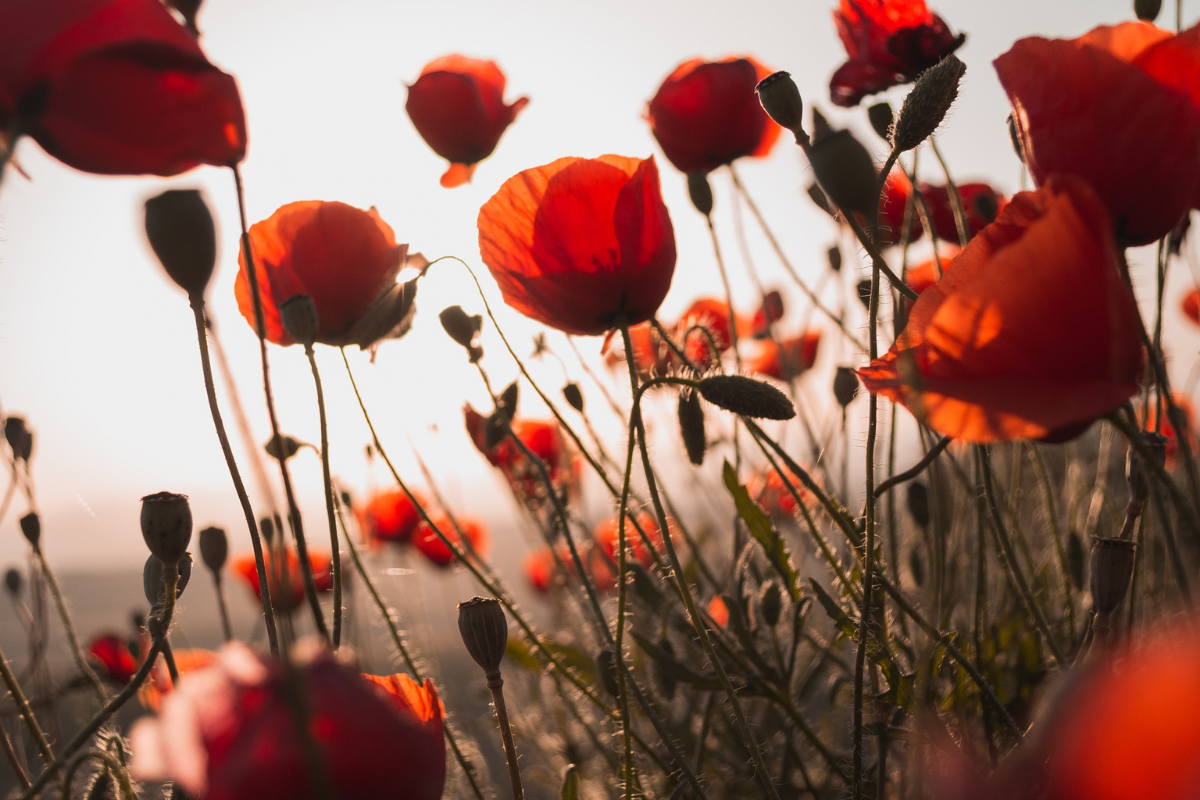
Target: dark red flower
[
  {"x": 582, "y": 245},
  {"x": 457, "y": 105},
  {"x": 788, "y": 359},
  {"x": 247, "y": 570},
  {"x": 981, "y": 205},
  {"x": 897, "y": 190},
  {"x": 116, "y": 87},
  {"x": 344, "y": 258},
  {"x": 390, "y": 516},
  {"x": 111, "y": 654},
  {"x": 889, "y": 42},
  {"x": 1120, "y": 108},
  {"x": 229, "y": 732},
  {"x": 1191, "y": 305},
  {"x": 432, "y": 547},
  {"x": 1030, "y": 331},
  {"x": 706, "y": 114}
]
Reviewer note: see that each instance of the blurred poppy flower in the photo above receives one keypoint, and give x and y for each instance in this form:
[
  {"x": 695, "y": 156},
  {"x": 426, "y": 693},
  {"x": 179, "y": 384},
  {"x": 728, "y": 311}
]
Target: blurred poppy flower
[
  {"x": 457, "y": 105},
  {"x": 718, "y": 611},
  {"x": 229, "y": 732},
  {"x": 539, "y": 569},
  {"x": 925, "y": 274},
  {"x": 245, "y": 568},
  {"x": 769, "y": 491},
  {"x": 706, "y": 114},
  {"x": 432, "y": 547},
  {"x": 111, "y": 655},
  {"x": 1031, "y": 332},
  {"x": 606, "y": 537},
  {"x": 582, "y": 245},
  {"x": 980, "y": 202},
  {"x": 390, "y": 516},
  {"x": 1120, "y": 108},
  {"x": 769, "y": 312},
  {"x": 544, "y": 439},
  {"x": 889, "y": 42},
  {"x": 897, "y": 191},
  {"x": 159, "y": 685},
  {"x": 345, "y": 259},
  {"x": 707, "y": 317},
  {"x": 788, "y": 359},
  {"x": 651, "y": 355},
  {"x": 116, "y": 87},
  {"x": 1191, "y": 305}
]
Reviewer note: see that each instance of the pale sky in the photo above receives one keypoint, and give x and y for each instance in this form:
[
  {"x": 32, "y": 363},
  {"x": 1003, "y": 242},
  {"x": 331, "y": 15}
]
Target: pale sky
[{"x": 97, "y": 347}]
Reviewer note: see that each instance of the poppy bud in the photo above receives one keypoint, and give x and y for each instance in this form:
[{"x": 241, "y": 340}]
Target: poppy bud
[
  {"x": 1147, "y": 10},
  {"x": 182, "y": 234},
  {"x": 167, "y": 525},
  {"x": 282, "y": 447},
  {"x": 19, "y": 438},
  {"x": 700, "y": 192},
  {"x": 916, "y": 566},
  {"x": 770, "y": 602},
  {"x": 746, "y": 396},
  {"x": 13, "y": 581},
  {"x": 845, "y": 386},
  {"x": 1015, "y": 138},
  {"x": 1112, "y": 567},
  {"x": 152, "y": 579},
  {"x": 880, "y": 116},
  {"x": 818, "y": 197},
  {"x": 266, "y": 526},
  {"x": 780, "y": 98},
  {"x": 299, "y": 316},
  {"x": 574, "y": 396},
  {"x": 846, "y": 173},
  {"x": 918, "y": 502},
  {"x": 606, "y": 665},
  {"x": 214, "y": 548},
  {"x": 691, "y": 426},
  {"x": 1075, "y": 559},
  {"x": 863, "y": 288},
  {"x": 1135, "y": 471},
  {"x": 927, "y": 103},
  {"x": 463, "y": 329},
  {"x": 834, "y": 254},
  {"x": 664, "y": 669},
  {"x": 484, "y": 630},
  {"x": 31, "y": 527}
]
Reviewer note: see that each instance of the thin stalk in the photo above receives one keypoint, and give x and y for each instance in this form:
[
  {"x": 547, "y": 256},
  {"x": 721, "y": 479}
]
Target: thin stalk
[
  {"x": 1132, "y": 435},
  {"x": 956, "y": 204},
  {"x": 731, "y": 320},
  {"x": 1060, "y": 550},
  {"x": 917, "y": 468},
  {"x": 335, "y": 549},
  {"x": 495, "y": 684},
  {"x": 81, "y": 662},
  {"x": 11, "y": 755},
  {"x": 25, "y": 712},
  {"x": 223, "y": 607}
]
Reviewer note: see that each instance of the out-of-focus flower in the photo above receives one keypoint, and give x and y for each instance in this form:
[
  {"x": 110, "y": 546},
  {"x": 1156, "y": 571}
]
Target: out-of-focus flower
[
  {"x": 788, "y": 359},
  {"x": 1151, "y": 423},
  {"x": 110, "y": 653},
  {"x": 544, "y": 439},
  {"x": 581, "y": 244},
  {"x": 1191, "y": 305},
  {"x": 116, "y": 87},
  {"x": 1031, "y": 332},
  {"x": 706, "y": 114},
  {"x": 704, "y": 315},
  {"x": 390, "y": 516},
  {"x": 432, "y": 547},
  {"x": 925, "y": 274},
  {"x": 769, "y": 312},
  {"x": 278, "y": 576},
  {"x": 229, "y": 732},
  {"x": 769, "y": 491},
  {"x": 981, "y": 205},
  {"x": 718, "y": 611},
  {"x": 344, "y": 258},
  {"x": 457, "y": 105},
  {"x": 606, "y": 537},
  {"x": 539, "y": 569},
  {"x": 1120, "y": 108},
  {"x": 889, "y": 42},
  {"x": 159, "y": 685},
  {"x": 897, "y": 190},
  {"x": 650, "y": 353}
]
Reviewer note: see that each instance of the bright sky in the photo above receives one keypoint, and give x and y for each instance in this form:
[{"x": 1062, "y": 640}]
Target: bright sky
[{"x": 97, "y": 347}]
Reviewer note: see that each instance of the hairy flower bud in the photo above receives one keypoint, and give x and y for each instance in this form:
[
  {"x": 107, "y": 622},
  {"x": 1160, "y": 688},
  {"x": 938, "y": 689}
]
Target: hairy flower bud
[
  {"x": 152, "y": 579},
  {"x": 214, "y": 548},
  {"x": 182, "y": 234},
  {"x": 845, "y": 386},
  {"x": 1111, "y": 567},
  {"x": 13, "y": 581},
  {"x": 463, "y": 329},
  {"x": 484, "y": 630},
  {"x": 917, "y": 497},
  {"x": 19, "y": 438},
  {"x": 780, "y": 98},
  {"x": 167, "y": 525},
  {"x": 846, "y": 172},
  {"x": 881, "y": 117},
  {"x": 927, "y": 103},
  {"x": 300, "y": 319},
  {"x": 770, "y": 602},
  {"x": 691, "y": 426},
  {"x": 700, "y": 192},
  {"x": 573, "y": 396},
  {"x": 747, "y": 396},
  {"x": 31, "y": 528},
  {"x": 1147, "y": 10}
]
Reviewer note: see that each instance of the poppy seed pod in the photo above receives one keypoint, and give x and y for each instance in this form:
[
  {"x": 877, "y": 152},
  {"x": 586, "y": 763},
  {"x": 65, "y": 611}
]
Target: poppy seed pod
[
  {"x": 484, "y": 630},
  {"x": 167, "y": 525},
  {"x": 1135, "y": 471},
  {"x": 1147, "y": 10},
  {"x": 770, "y": 602},
  {"x": 214, "y": 548},
  {"x": 780, "y": 98},
  {"x": 846, "y": 172},
  {"x": 845, "y": 386},
  {"x": 1111, "y": 567},
  {"x": 300, "y": 319},
  {"x": 180, "y": 228},
  {"x": 927, "y": 103},
  {"x": 606, "y": 666},
  {"x": 917, "y": 497},
  {"x": 152, "y": 578},
  {"x": 880, "y": 116},
  {"x": 747, "y": 397},
  {"x": 699, "y": 191},
  {"x": 573, "y": 396},
  {"x": 13, "y": 581},
  {"x": 19, "y": 438},
  {"x": 31, "y": 528}
]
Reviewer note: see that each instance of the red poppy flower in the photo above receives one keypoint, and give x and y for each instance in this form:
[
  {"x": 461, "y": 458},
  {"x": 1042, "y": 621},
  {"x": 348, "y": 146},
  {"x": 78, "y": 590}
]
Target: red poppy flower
[
  {"x": 116, "y": 87},
  {"x": 229, "y": 732},
  {"x": 110, "y": 653},
  {"x": 897, "y": 190},
  {"x": 539, "y": 569},
  {"x": 1030, "y": 332},
  {"x": 718, "y": 611},
  {"x": 704, "y": 318},
  {"x": 544, "y": 439},
  {"x": 651, "y": 356},
  {"x": 344, "y": 258},
  {"x": 889, "y": 42},
  {"x": 246, "y": 569},
  {"x": 925, "y": 274},
  {"x": 581, "y": 244},
  {"x": 390, "y": 516},
  {"x": 788, "y": 359},
  {"x": 706, "y": 114},
  {"x": 981, "y": 205},
  {"x": 432, "y": 547},
  {"x": 1120, "y": 108},
  {"x": 607, "y": 538},
  {"x": 457, "y": 105},
  {"x": 768, "y": 489},
  {"x": 1191, "y": 305}
]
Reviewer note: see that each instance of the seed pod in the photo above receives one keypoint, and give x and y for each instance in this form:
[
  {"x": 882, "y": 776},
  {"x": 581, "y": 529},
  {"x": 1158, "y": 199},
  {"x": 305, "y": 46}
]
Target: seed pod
[
  {"x": 700, "y": 192},
  {"x": 606, "y": 666},
  {"x": 770, "y": 602},
  {"x": 1075, "y": 559},
  {"x": 880, "y": 116},
  {"x": 845, "y": 386},
  {"x": 846, "y": 172},
  {"x": 214, "y": 548},
  {"x": 926, "y": 105},
  {"x": 167, "y": 525},
  {"x": 746, "y": 396},
  {"x": 1015, "y": 137},
  {"x": 182, "y": 234},
  {"x": 31, "y": 529},
  {"x": 484, "y": 630},
  {"x": 19, "y": 438},
  {"x": 1147, "y": 10},
  {"x": 863, "y": 288},
  {"x": 574, "y": 396},
  {"x": 282, "y": 447},
  {"x": 1135, "y": 471},
  {"x": 664, "y": 671},
  {"x": 152, "y": 579},
  {"x": 834, "y": 254},
  {"x": 13, "y": 581},
  {"x": 819, "y": 199},
  {"x": 1112, "y": 567},
  {"x": 299, "y": 316},
  {"x": 916, "y": 566},
  {"x": 780, "y": 98},
  {"x": 917, "y": 496},
  {"x": 463, "y": 329},
  {"x": 691, "y": 426}
]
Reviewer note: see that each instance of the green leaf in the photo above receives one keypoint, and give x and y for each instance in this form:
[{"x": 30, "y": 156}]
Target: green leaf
[
  {"x": 762, "y": 530},
  {"x": 570, "y": 785},
  {"x": 839, "y": 617}
]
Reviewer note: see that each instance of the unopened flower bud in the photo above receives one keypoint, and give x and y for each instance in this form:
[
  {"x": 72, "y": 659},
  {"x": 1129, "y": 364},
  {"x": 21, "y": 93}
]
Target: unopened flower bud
[
  {"x": 700, "y": 192},
  {"x": 1147, "y": 10},
  {"x": 926, "y": 105},
  {"x": 880, "y": 116},
  {"x": 282, "y": 447},
  {"x": 917, "y": 497},
  {"x": 1112, "y": 567},
  {"x": 484, "y": 630},
  {"x": 31, "y": 528},
  {"x": 19, "y": 438},
  {"x": 463, "y": 329},
  {"x": 13, "y": 581},
  {"x": 266, "y": 526},
  {"x": 1135, "y": 470},
  {"x": 606, "y": 665},
  {"x": 300, "y": 319},
  {"x": 167, "y": 525},
  {"x": 846, "y": 172},
  {"x": 863, "y": 288},
  {"x": 834, "y": 254},
  {"x": 746, "y": 396},
  {"x": 770, "y": 602},
  {"x": 182, "y": 234},
  {"x": 214, "y": 548},
  {"x": 691, "y": 426},
  {"x": 152, "y": 579},
  {"x": 573, "y": 396},
  {"x": 845, "y": 386},
  {"x": 780, "y": 98}
]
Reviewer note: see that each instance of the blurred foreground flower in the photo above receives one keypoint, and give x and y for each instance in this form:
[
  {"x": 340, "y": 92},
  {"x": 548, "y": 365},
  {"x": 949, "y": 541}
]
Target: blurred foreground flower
[
  {"x": 286, "y": 573},
  {"x": 457, "y": 105},
  {"x": 925, "y": 274},
  {"x": 583, "y": 245},
  {"x": 230, "y": 732},
  {"x": 159, "y": 685},
  {"x": 1030, "y": 334}
]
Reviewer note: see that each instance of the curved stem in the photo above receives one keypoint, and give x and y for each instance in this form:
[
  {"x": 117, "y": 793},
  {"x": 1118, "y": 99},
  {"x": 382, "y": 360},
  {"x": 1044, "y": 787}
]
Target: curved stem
[
  {"x": 916, "y": 469},
  {"x": 334, "y": 547}
]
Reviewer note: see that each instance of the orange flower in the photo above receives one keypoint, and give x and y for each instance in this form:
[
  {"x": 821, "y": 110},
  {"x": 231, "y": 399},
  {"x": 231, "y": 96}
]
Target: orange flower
[
  {"x": 159, "y": 685},
  {"x": 539, "y": 569},
  {"x": 246, "y": 569},
  {"x": 544, "y": 439},
  {"x": 706, "y": 114},
  {"x": 457, "y": 105},
  {"x": 1120, "y": 108},
  {"x": 788, "y": 359},
  {"x": 1191, "y": 305},
  {"x": 718, "y": 611},
  {"x": 582, "y": 245},
  {"x": 390, "y": 516},
  {"x": 344, "y": 258},
  {"x": 432, "y": 547},
  {"x": 1030, "y": 334}
]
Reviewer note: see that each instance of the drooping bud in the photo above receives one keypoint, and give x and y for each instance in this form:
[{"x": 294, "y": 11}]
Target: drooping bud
[
  {"x": 606, "y": 666},
  {"x": 152, "y": 579},
  {"x": 508, "y": 399},
  {"x": 463, "y": 329},
  {"x": 282, "y": 447},
  {"x": 863, "y": 288},
  {"x": 926, "y": 105},
  {"x": 747, "y": 396},
  {"x": 13, "y": 582},
  {"x": 167, "y": 525},
  {"x": 770, "y": 602},
  {"x": 834, "y": 254},
  {"x": 1015, "y": 137},
  {"x": 1147, "y": 10},
  {"x": 917, "y": 497},
  {"x": 700, "y": 192},
  {"x": 31, "y": 528},
  {"x": 1111, "y": 567},
  {"x": 214, "y": 548},
  {"x": 573, "y": 396},
  {"x": 300, "y": 319},
  {"x": 691, "y": 426},
  {"x": 846, "y": 172},
  {"x": 1075, "y": 559},
  {"x": 780, "y": 98},
  {"x": 1135, "y": 470},
  {"x": 880, "y": 116},
  {"x": 390, "y": 317},
  {"x": 845, "y": 386},
  {"x": 182, "y": 234},
  {"x": 19, "y": 438},
  {"x": 819, "y": 199},
  {"x": 484, "y": 630}
]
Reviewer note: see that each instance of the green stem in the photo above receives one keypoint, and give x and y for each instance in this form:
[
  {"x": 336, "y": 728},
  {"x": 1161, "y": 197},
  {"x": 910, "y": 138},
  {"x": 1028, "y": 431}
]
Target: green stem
[{"x": 334, "y": 548}]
